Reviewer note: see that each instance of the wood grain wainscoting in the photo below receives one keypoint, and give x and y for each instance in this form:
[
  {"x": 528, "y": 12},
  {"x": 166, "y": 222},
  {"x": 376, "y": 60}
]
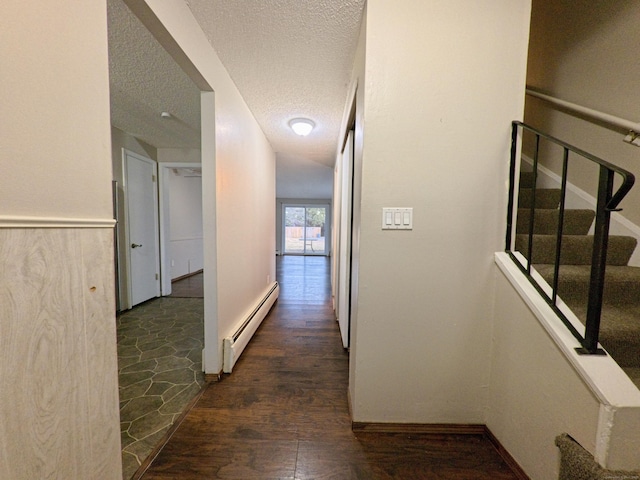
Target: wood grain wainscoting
[
  {"x": 443, "y": 429},
  {"x": 58, "y": 357}
]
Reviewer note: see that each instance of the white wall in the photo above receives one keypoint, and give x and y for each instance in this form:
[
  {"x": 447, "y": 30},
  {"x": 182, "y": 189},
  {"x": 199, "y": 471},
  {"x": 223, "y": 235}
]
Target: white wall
[
  {"x": 442, "y": 82},
  {"x": 58, "y": 360},
  {"x": 238, "y": 184},
  {"x": 185, "y": 233}
]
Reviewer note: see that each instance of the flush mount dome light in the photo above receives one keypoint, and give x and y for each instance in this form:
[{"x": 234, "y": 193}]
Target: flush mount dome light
[{"x": 301, "y": 126}]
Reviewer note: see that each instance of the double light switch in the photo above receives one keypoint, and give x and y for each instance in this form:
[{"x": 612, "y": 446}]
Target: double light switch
[{"x": 397, "y": 218}]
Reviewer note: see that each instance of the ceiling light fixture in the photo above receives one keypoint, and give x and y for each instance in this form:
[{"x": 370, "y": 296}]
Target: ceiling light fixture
[{"x": 301, "y": 126}]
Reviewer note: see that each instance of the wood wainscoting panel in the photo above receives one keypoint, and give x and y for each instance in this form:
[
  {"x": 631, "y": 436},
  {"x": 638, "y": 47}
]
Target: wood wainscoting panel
[
  {"x": 58, "y": 401},
  {"x": 102, "y": 351}
]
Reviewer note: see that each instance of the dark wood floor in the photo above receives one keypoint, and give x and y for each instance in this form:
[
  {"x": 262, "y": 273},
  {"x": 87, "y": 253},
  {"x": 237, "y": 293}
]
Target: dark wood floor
[
  {"x": 283, "y": 412},
  {"x": 188, "y": 287}
]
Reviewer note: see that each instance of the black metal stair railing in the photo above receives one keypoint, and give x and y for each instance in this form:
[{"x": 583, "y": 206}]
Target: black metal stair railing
[{"x": 607, "y": 202}]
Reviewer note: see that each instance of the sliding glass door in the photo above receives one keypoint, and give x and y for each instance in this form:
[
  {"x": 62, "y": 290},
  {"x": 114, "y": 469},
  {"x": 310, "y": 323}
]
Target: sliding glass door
[{"x": 305, "y": 229}]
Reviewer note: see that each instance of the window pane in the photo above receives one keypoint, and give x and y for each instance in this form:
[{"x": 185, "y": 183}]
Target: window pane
[{"x": 294, "y": 229}]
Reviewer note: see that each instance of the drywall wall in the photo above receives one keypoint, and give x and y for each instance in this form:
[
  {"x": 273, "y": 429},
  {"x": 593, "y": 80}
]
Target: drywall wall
[
  {"x": 70, "y": 116},
  {"x": 442, "y": 82},
  {"x": 58, "y": 361},
  {"x": 540, "y": 388},
  {"x": 185, "y": 232},
  {"x": 179, "y": 155},
  {"x": 535, "y": 394},
  {"x": 239, "y": 220},
  {"x": 581, "y": 54}
]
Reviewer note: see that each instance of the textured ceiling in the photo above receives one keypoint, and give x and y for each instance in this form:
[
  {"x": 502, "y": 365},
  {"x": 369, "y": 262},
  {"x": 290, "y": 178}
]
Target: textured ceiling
[
  {"x": 145, "y": 81},
  {"x": 288, "y": 58}
]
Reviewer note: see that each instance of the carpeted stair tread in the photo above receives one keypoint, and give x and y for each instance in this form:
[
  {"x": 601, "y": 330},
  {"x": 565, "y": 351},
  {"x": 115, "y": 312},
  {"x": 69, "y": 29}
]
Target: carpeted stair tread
[
  {"x": 620, "y": 316},
  {"x": 619, "y": 333},
  {"x": 622, "y": 284},
  {"x": 545, "y": 198},
  {"x": 576, "y": 249},
  {"x": 633, "y": 373},
  {"x": 576, "y": 221},
  {"x": 576, "y": 463}
]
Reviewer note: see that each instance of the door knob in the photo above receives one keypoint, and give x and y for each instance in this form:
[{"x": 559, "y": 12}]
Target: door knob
[{"x": 135, "y": 245}]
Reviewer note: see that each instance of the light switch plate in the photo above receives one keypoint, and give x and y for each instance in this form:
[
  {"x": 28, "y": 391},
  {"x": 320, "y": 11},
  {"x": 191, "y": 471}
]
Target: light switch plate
[{"x": 397, "y": 218}]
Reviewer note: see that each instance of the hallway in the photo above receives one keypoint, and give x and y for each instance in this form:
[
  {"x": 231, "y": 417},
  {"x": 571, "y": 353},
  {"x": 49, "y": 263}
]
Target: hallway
[
  {"x": 283, "y": 412},
  {"x": 160, "y": 371}
]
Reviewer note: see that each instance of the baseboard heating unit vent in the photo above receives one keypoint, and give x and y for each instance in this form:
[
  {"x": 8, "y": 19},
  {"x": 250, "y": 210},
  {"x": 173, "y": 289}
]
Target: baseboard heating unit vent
[{"x": 236, "y": 343}]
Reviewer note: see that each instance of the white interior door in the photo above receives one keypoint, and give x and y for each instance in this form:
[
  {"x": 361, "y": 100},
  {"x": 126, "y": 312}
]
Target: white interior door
[
  {"x": 142, "y": 227},
  {"x": 344, "y": 263}
]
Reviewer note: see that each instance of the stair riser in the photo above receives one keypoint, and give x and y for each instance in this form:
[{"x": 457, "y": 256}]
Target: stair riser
[
  {"x": 576, "y": 249},
  {"x": 615, "y": 294},
  {"x": 619, "y": 333},
  {"x": 545, "y": 198},
  {"x": 576, "y": 222},
  {"x": 526, "y": 179}
]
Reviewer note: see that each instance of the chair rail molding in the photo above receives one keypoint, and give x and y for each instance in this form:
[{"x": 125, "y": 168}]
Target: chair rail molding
[{"x": 11, "y": 221}]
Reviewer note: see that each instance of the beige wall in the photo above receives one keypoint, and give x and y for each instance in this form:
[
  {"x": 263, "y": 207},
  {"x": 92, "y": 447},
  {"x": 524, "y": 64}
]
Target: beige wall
[
  {"x": 540, "y": 387},
  {"x": 535, "y": 393},
  {"x": 442, "y": 82},
  {"x": 580, "y": 52},
  {"x": 58, "y": 364},
  {"x": 67, "y": 105}
]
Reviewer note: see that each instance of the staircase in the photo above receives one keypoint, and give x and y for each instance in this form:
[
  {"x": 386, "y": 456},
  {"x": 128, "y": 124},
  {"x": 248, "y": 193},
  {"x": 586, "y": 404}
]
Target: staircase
[{"x": 620, "y": 320}]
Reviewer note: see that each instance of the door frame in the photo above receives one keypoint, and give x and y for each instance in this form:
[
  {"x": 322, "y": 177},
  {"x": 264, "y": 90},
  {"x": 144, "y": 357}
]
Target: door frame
[
  {"x": 127, "y": 303},
  {"x": 165, "y": 220},
  {"x": 344, "y": 240}
]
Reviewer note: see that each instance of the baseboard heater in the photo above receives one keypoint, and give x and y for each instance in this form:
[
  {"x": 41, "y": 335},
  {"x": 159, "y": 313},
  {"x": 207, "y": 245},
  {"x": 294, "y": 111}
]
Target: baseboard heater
[{"x": 234, "y": 344}]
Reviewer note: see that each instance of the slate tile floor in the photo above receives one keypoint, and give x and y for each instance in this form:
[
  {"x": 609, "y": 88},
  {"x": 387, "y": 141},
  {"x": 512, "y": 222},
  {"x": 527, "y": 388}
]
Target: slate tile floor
[{"x": 160, "y": 371}]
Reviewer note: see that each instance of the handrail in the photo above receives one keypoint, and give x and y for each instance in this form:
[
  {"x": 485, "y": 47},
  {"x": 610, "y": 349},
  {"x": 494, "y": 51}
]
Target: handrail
[
  {"x": 607, "y": 202},
  {"x": 628, "y": 177},
  {"x": 588, "y": 112}
]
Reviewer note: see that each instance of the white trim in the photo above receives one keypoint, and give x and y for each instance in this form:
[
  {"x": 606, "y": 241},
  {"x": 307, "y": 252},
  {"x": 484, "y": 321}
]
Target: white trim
[
  {"x": 10, "y": 221},
  {"x": 165, "y": 221},
  {"x": 186, "y": 239}
]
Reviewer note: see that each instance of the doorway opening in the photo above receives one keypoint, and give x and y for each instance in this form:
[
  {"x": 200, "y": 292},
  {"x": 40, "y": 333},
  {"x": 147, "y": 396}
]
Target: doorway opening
[{"x": 304, "y": 229}]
